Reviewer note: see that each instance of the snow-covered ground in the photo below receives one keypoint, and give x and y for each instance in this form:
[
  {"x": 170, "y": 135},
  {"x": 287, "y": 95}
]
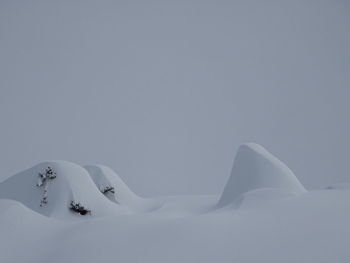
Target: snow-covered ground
[{"x": 263, "y": 215}]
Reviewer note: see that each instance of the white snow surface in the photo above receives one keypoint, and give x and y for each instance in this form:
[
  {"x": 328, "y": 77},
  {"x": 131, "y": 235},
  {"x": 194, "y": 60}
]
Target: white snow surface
[
  {"x": 339, "y": 186},
  {"x": 104, "y": 176},
  {"x": 73, "y": 183},
  {"x": 269, "y": 219},
  {"x": 254, "y": 167}
]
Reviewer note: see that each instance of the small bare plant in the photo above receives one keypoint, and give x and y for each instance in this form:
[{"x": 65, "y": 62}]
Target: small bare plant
[
  {"x": 78, "y": 208},
  {"x": 43, "y": 179},
  {"x": 107, "y": 189}
]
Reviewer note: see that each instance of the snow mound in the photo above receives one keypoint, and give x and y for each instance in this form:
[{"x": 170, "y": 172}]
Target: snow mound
[
  {"x": 254, "y": 167},
  {"x": 52, "y": 197},
  {"x": 105, "y": 178}
]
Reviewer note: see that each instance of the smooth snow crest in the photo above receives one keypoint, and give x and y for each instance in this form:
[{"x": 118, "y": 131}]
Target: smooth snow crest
[
  {"x": 53, "y": 198},
  {"x": 105, "y": 178},
  {"x": 254, "y": 168}
]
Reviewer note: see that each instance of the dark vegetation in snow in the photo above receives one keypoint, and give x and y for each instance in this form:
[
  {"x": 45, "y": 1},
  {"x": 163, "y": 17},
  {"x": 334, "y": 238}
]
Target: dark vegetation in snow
[
  {"x": 108, "y": 189},
  {"x": 49, "y": 174},
  {"x": 78, "y": 208}
]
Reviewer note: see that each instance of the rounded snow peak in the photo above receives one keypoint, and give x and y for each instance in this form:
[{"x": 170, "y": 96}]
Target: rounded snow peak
[
  {"x": 51, "y": 187},
  {"x": 253, "y": 168}
]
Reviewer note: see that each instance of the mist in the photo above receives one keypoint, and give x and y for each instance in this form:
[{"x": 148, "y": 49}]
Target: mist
[{"x": 164, "y": 92}]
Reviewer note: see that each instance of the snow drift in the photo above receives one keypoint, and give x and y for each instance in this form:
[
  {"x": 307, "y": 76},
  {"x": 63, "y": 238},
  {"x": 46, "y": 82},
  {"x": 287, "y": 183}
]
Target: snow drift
[
  {"x": 264, "y": 189},
  {"x": 254, "y": 167},
  {"x": 105, "y": 178},
  {"x": 53, "y": 197}
]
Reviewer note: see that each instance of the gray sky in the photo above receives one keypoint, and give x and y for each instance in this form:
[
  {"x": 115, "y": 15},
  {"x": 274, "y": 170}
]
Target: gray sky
[{"x": 164, "y": 92}]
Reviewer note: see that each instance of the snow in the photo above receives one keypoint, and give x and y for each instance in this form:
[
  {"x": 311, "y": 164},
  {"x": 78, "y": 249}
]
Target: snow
[
  {"x": 257, "y": 197},
  {"x": 254, "y": 167},
  {"x": 311, "y": 228},
  {"x": 72, "y": 183},
  {"x": 104, "y": 176},
  {"x": 339, "y": 186},
  {"x": 271, "y": 218}
]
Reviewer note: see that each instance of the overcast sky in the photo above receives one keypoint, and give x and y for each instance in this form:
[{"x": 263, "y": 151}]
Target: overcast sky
[{"x": 164, "y": 92}]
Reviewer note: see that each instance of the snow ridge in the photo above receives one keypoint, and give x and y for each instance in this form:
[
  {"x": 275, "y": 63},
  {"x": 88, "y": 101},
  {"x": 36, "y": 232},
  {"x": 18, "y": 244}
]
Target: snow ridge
[
  {"x": 71, "y": 183},
  {"x": 254, "y": 167},
  {"x": 105, "y": 178}
]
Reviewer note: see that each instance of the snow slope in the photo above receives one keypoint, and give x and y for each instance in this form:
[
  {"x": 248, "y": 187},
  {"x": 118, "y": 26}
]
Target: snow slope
[
  {"x": 72, "y": 183},
  {"x": 254, "y": 167},
  {"x": 104, "y": 176},
  {"x": 264, "y": 215},
  {"x": 312, "y": 228},
  {"x": 24, "y": 233}
]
